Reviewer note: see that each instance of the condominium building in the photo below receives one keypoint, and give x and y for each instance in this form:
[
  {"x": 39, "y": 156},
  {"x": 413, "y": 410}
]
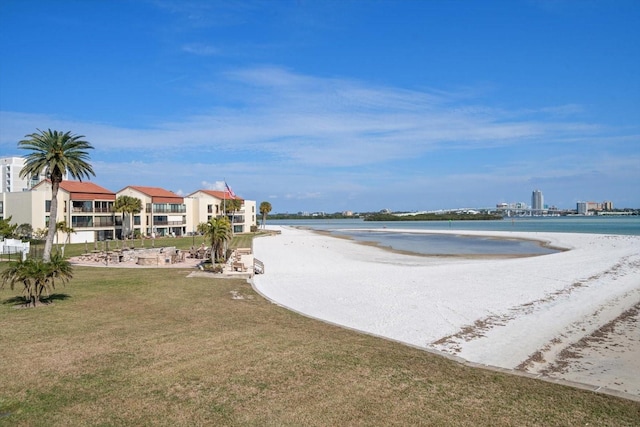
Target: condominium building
[
  {"x": 587, "y": 208},
  {"x": 207, "y": 204},
  {"x": 164, "y": 213},
  {"x": 88, "y": 209},
  {"x": 537, "y": 200},
  {"x": 84, "y": 206}
]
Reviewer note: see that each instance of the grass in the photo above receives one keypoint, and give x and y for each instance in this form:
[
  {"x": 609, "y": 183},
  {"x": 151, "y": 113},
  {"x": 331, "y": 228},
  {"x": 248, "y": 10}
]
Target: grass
[
  {"x": 152, "y": 347},
  {"x": 75, "y": 249}
]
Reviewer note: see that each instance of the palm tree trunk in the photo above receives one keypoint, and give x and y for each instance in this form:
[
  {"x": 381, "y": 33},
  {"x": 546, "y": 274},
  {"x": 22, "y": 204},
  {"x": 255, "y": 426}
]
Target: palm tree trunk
[
  {"x": 53, "y": 211},
  {"x": 130, "y": 230}
]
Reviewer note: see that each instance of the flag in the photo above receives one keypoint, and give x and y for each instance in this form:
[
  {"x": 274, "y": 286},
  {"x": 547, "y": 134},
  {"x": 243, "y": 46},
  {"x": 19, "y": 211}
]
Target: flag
[{"x": 229, "y": 190}]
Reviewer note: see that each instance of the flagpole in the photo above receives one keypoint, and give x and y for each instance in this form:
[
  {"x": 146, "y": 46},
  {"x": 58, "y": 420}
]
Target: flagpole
[
  {"x": 224, "y": 198},
  {"x": 226, "y": 191}
]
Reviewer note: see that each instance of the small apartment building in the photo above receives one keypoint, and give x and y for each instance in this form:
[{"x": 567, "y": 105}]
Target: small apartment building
[
  {"x": 207, "y": 204},
  {"x": 164, "y": 213},
  {"x": 86, "y": 207}
]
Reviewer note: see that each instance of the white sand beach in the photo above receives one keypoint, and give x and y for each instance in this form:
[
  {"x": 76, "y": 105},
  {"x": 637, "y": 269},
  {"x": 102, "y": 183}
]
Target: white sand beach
[{"x": 571, "y": 315}]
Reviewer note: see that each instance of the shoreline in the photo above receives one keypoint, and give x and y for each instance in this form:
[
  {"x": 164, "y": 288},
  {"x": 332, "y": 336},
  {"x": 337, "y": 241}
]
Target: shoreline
[
  {"x": 540, "y": 243},
  {"x": 498, "y": 312}
]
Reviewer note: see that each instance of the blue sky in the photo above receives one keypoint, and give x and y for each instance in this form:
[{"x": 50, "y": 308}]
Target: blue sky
[{"x": 334, "y": 105}]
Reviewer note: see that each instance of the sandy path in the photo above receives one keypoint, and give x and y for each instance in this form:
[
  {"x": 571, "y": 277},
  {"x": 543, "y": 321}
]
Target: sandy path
[{"x": 522, "y": 313}]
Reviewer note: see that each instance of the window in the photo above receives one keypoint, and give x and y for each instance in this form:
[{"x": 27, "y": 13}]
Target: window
[
  {"x": 47, "y": 206},
  {"x": 102, "y": 235},
  {"x": 103, "y": 207},
  {"x": 103, "y": 221},
  {"x": 82, "y": 206},
  {"x": 81, "y": 221},
  {"x": 160, "y": 220}
]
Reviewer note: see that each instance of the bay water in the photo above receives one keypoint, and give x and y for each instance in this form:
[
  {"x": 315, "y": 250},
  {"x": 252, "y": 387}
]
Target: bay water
[{"x": 451, "y": 244}]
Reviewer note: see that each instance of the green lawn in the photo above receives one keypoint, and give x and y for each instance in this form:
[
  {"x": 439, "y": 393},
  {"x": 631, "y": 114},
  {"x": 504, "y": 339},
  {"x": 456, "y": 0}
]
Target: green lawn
[
  {"x": 153, "y": 347},
  {"x": 71, "y": 250}
]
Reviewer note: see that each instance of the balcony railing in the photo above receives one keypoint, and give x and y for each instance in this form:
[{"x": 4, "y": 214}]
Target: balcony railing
[
  {"x": 168, "y": 223},
  {"x": 104, "y": 221},
  {"x": 171, "y": 208},
  {"x": 82, "y": 224}
]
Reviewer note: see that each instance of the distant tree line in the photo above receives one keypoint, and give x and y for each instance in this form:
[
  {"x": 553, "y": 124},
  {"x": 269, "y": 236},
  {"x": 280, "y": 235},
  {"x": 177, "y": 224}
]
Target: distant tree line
[{"x": 287, "y": 216}]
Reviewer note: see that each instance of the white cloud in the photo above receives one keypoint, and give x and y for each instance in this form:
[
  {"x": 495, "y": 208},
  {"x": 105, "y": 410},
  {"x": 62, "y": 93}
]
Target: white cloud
[
  {"x": 299, "y": 137},
  {"x": 318, "y": 121},
  {"x": 201, "y": 49}
]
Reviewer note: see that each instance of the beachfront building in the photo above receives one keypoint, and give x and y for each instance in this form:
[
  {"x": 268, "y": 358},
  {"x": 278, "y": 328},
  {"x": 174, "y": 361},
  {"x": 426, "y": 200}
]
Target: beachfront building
[
  {"x": 84, "y": 206},
  {"x": 10, "y": 168},
  {"x": 207, "y": 204},
  {"x": 589, "y": 208},
  {"x": 88, "y": 209},
  {"x": 164, "y": 213}
]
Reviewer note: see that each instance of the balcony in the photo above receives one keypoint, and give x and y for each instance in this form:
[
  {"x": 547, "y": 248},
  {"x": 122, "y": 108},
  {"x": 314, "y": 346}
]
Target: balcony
[
  {"x": 82, "y": 222},
  {"x": 104, "y": 221},
  {"x": 165, "y": 222},
  {"x": 167, "y": 208}
]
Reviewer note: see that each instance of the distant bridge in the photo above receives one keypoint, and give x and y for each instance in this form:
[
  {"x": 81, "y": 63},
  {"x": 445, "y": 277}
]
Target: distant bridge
[{"x": 504, "y": 211}]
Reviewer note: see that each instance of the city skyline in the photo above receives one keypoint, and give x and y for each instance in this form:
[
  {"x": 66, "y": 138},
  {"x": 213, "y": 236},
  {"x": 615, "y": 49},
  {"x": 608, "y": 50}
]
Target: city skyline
[{"x": 332, "y": 106}]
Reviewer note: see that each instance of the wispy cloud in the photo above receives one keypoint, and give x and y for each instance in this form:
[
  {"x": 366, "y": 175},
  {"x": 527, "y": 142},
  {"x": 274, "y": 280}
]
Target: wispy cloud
[
  {"x": 201, "y": 49},
  {"x": 314, "y": 132}
]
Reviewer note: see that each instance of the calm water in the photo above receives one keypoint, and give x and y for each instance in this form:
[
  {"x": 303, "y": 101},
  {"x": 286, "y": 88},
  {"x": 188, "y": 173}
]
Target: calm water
[{"x": 450, "y": 244}]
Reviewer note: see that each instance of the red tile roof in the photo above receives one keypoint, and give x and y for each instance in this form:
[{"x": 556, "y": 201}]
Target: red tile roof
[
  {"x": 222, "y": 195},
  {"x": 85, "y": 190},
  {"x": 158, "y": 195}
]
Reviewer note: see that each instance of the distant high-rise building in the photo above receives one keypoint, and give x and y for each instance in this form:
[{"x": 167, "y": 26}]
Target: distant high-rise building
[
  {"x": 10, "y": 168},
  {"x": 537, "y": 201}
]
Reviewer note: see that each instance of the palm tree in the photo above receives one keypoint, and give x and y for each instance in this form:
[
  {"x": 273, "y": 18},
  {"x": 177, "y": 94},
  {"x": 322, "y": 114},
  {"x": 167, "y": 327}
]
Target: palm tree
[
  {"x": 218, "y": 230},
  {"x": 64, "y": 228},
  {"x": 129, "y": 205},
  {"x": 6, "y": 228},
  {"x": 37, "y": 277},
  {"x": 55, "y": 153},
  {"x": 24, "y": 231},
  {"x": 232, "y": 205},
  {"x": 265, "y": 208}
]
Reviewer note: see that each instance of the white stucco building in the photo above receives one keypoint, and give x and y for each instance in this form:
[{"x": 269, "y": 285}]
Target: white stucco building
[
  {"x": 10, "y": 168},
  {"x": 88, "y": 209}
]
